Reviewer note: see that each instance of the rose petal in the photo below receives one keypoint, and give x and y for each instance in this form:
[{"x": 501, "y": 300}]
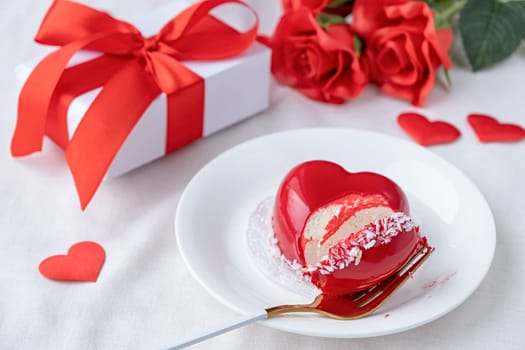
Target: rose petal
[
  {"x": 369, "y": 15},
  {"x": 430, "y": 75},
  {"x": 388, "y": 59},
  {"x": 315, "y": 5},
  {"x": 445, "y": 39}
]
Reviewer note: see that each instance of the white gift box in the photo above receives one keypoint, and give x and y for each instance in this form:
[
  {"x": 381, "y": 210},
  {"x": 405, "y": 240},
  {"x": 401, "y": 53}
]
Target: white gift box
[{"x": 235, "y": 88}]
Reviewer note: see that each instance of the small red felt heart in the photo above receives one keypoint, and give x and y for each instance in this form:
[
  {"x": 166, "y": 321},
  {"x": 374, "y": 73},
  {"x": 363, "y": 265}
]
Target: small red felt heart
[
  {"x": 425, "y": 132},
  {"x": 489, "y": 129},
  {"x": 82, "y": 263}
]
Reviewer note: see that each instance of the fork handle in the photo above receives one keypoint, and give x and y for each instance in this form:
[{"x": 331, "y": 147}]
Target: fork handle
[{"x": 218, "y": 330}]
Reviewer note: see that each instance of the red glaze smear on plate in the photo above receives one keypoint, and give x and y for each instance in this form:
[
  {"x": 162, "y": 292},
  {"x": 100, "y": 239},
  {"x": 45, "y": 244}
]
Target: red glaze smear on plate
[{"x": 349, "y": 231}]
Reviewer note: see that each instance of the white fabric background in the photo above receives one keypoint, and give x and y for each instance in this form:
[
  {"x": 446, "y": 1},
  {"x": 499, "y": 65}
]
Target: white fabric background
[{"x": 146, "y": 298}]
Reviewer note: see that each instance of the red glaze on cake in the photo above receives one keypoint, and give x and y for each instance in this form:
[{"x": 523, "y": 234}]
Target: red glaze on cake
[{"x": 348, "y": 230}]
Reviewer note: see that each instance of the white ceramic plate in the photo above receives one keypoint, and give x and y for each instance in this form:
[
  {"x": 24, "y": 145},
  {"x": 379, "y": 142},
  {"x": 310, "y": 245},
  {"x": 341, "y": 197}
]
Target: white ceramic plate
[{"x": 213, "y": 213}]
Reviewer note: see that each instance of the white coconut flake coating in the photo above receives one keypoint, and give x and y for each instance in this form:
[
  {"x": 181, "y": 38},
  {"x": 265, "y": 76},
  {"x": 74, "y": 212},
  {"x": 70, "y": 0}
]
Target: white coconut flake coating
[
  {"x": 268, "y": 257},
  {"x": 349, "y": 251}
]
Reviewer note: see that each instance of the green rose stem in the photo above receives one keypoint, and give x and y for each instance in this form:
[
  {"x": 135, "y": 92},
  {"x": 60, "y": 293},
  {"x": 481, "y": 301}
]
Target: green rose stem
[
  {"x": 454, "y": 8},
  {"x": 358, "y": 46},
  {"x": 442, "y": 20}
]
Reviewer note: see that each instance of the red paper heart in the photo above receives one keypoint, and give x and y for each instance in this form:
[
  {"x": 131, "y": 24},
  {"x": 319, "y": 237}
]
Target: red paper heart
[
  {"x": 82, "y": 263},
  {"x": 425, "y": 132},
  {"x": 489, "y": 129},
  {"x": 314, "y": 184}
]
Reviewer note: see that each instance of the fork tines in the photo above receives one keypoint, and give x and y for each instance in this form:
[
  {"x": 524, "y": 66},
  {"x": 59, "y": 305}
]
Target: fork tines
[{"x": 393, "y": 282}]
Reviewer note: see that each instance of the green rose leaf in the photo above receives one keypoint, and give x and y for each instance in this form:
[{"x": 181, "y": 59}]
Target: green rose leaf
[
  {"x": 491, "y": 30},
  {"x": 441, "y": 21},
  {"x": 520, "y": 7},
  {"x": 325, "y": 19}
]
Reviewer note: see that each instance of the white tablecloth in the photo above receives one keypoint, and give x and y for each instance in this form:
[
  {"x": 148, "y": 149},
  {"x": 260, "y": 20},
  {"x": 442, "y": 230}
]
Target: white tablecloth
[{"x": 146, "y": 298}]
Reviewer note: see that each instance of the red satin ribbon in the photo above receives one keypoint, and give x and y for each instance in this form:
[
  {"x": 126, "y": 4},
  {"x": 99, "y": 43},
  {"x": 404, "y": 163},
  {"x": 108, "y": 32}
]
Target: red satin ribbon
[{"x": 132, "y": 72}]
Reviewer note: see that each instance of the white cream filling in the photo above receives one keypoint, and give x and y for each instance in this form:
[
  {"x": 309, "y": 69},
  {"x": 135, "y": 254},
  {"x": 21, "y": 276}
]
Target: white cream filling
[
  {"x": 349, "y": 251},
  {"x": 315, "y": 230}
]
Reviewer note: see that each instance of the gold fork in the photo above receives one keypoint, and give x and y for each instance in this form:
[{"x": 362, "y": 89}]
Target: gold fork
[{"x": 345, "y": 307}]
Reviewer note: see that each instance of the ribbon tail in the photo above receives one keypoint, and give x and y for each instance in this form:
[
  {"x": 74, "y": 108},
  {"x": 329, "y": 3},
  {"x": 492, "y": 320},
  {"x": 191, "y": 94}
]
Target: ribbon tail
[
  {"x": 106, "y": 125},
  {"x": 35, "y": 98},
  {"x": 37, "y": 94}
]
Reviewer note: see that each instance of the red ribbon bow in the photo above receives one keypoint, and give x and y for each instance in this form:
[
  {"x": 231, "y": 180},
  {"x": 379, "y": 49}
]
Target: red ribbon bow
[{"x": 133, "y": 71}]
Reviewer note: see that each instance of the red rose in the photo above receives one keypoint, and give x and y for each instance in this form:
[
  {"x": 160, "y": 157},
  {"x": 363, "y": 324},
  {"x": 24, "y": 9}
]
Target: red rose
[
  {"x": 320, "y": 64},
  {"x": 314, "y": 5},
  {"x": 402, "y": 45}
]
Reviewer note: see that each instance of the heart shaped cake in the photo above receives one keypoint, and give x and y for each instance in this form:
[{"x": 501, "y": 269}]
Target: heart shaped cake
[{"x": 348, "y": 231}]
